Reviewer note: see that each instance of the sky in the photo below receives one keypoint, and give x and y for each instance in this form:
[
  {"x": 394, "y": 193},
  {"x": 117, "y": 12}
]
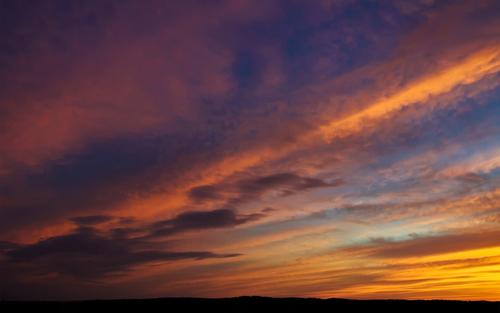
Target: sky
[{"x": 327, "y": 148}]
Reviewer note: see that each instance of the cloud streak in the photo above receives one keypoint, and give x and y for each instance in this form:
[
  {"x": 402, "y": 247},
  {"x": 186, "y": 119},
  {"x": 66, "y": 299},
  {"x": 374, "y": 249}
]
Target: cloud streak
[{"x": 87, "y": 254}]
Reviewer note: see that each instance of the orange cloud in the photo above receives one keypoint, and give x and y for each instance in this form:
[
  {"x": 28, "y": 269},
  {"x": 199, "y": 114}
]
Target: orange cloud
[{"x": 474, "y": 68}]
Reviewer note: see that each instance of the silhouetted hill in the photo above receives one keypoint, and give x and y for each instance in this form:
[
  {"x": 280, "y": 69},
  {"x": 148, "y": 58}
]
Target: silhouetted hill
[{"x": 254, "y": 304}]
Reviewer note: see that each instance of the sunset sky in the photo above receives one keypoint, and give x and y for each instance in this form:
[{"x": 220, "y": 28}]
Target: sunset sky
[{"x": 326, "y": 148}]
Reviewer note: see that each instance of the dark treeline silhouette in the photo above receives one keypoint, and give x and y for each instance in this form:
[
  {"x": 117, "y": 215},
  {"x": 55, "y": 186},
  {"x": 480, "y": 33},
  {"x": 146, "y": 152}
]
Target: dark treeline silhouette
[{"x": 252, "y": 304}]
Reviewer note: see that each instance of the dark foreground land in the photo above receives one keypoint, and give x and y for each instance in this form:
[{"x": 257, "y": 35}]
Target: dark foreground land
[{"x": 252, "y": 304}]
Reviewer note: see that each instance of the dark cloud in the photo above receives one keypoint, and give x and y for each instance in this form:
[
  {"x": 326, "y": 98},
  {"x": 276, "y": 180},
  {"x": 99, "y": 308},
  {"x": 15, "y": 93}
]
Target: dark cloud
[
  {"x": 6, "y": 245},
  {"x": 248, "y": 189},
  {"x": 91, "y": 219},
  {"x": 198, "y": 220},
  {"x": 290, "y": 181},
  {"x": 89, "y": 254},
  {"x": 268, "y": 210},
  {"x": 205, "y": 192}
]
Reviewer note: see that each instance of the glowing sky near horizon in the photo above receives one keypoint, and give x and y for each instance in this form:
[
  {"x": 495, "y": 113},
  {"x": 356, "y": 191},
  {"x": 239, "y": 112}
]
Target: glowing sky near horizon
[{"x": 329, "y": 148}]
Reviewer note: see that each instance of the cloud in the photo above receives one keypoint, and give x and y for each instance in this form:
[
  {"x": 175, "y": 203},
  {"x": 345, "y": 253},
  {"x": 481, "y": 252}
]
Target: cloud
[
  {"x": 476, "y": 67},
  {"x": 245, "y": 190},
  {"x": 202, "y": 193},
  {"x": 88, "y": 254},
  {"x": 91, "y": 220},
  {"x": 287, "y": 180},
  {"x": 193, "y": 220},
  {"x": 420, "y": 246},
  {"x": 6, "y": 245}
]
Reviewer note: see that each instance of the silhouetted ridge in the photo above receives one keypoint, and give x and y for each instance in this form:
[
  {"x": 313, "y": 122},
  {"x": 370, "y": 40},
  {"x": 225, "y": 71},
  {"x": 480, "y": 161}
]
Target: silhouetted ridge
[{"x": 254, "y": 304}]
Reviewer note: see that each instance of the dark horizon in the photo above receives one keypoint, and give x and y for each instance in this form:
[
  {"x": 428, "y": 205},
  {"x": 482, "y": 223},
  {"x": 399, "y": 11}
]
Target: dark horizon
[{"x": 252, "y": 303}]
